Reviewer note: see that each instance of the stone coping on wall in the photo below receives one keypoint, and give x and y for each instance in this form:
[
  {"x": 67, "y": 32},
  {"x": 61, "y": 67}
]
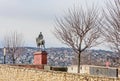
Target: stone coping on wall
[
  {"x": 29, "y": 66},
  {"x": 93, "y": 66},
  {"x": 40, "y": 52}
]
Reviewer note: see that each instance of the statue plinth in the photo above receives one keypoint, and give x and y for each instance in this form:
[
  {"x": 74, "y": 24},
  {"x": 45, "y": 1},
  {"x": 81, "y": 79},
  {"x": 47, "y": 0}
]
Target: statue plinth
[{"x": 40, "y": 58}]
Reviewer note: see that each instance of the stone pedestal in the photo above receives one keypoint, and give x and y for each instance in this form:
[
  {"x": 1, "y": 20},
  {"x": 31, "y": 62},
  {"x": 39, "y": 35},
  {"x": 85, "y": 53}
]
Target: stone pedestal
[{"x": 40, "y": 58}]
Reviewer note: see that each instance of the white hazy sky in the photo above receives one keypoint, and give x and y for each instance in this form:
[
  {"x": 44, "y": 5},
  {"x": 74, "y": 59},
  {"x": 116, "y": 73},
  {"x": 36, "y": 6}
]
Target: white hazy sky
[{"x": 30, "y": 17}]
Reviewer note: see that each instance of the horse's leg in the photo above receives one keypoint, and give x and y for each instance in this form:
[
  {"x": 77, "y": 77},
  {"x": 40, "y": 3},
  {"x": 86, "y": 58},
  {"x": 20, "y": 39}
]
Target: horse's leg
[
  {"x": 40, "y": 48},
  {"x": 43, "y": 43},
  {"x": 44, "y": 46}
]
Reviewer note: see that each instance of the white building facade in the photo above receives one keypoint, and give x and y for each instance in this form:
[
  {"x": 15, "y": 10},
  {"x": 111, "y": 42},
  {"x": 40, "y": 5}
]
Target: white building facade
[{"x": 94, "y": 70}]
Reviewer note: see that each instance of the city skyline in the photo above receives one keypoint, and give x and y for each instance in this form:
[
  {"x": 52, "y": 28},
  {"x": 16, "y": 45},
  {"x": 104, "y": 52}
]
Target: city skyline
[{"x": 32, "y": 17}]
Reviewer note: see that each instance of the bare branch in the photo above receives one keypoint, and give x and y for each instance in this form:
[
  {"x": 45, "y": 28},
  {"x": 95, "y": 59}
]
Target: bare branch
[{"x": 111, "y": 25}]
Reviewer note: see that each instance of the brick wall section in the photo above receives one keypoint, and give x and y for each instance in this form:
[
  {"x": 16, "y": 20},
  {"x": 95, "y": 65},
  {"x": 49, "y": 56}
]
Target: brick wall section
[{"x": 15, "y": 73}]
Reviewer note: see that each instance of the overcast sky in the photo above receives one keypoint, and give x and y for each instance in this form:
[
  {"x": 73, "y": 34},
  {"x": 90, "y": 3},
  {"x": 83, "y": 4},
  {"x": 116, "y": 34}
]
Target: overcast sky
[{"x": 30, "y": 17}]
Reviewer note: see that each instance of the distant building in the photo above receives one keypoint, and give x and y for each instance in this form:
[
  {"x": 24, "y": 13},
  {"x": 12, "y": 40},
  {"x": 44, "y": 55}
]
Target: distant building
[{"x": 94, "y": 70}]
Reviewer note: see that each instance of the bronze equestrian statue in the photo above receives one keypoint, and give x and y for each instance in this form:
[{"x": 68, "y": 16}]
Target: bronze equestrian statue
[{"x": 40, "y": 42}]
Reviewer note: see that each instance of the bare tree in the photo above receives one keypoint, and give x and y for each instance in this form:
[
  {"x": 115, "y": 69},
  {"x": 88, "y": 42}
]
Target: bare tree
[
  {"x": 79, "y": 29},
  {"x": 13, "y": 43},
  {"x": 111, "y": 25}
]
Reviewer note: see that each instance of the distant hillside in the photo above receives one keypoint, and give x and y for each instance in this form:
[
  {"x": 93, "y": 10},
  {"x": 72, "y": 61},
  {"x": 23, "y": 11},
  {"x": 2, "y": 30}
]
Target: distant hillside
[{"x": 66, "y": 56}]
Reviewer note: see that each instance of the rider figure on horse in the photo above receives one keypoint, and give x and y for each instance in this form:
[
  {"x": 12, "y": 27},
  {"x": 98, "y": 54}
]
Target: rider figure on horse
[{"x": 40, "y": 42}]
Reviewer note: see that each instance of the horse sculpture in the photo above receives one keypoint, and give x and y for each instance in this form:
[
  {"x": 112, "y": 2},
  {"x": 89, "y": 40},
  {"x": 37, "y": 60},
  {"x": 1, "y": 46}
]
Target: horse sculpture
[{"x": 40, "y": 42}]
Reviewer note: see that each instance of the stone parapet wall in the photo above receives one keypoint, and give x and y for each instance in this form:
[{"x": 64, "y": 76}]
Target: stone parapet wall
[{"x": 15, "y": 73}]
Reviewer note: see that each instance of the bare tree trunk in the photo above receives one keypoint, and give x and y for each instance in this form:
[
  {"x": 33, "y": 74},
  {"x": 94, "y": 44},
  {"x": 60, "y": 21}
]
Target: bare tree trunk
[
  {"x": 13, "y": 60},
  {"x": 79, "y": 58}
]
